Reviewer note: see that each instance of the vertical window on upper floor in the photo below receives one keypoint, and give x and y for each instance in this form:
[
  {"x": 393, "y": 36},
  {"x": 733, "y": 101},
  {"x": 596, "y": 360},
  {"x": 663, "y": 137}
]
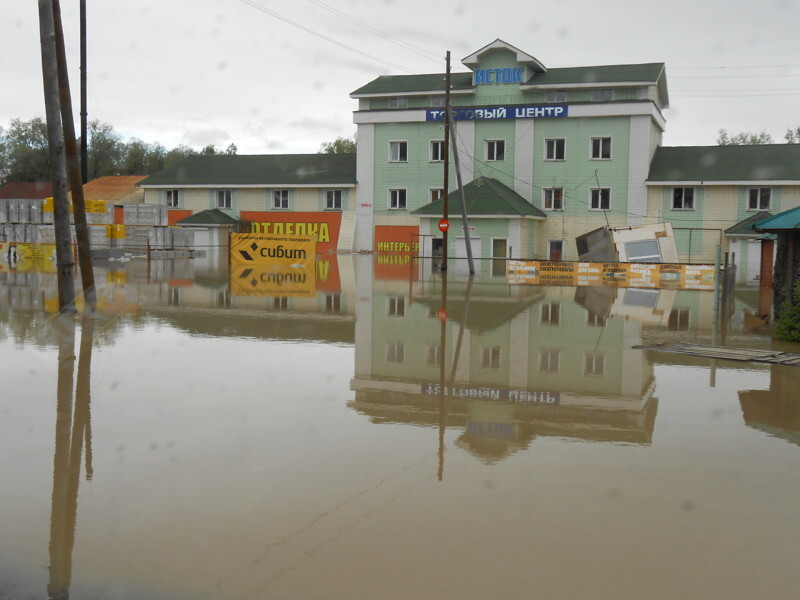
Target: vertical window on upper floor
[
  {"x": 333, "y": 199},
  {"x": 490, "y": 357},
  {"x": 550, "y": 313},
  {"x": 433, "y": 356},
  {"x": 759, "y": 199},
  {"x": 555, "y": 149},
  {"x": 395, "y": 352},
  {"x": 396, "y": 306},
  {"x": 224, "y": 199},
  {"x": 601, "y": 148},
  {"x": 435, "y": 194},
  {"x": 495, "y": 149},
  {"x": 549, "y": 361},
  {"x": 600, "y": 199},
  {"x": 553, "y": 198},
  {"x": 397, "y": 199},
  {"x": 398, "y": 151},
  {"x": 280, "y": 199},
  {"x": 437, "y": 101},
  {"x": 683, "y": 198},
  {"x": 172, "y": 198},
  {"x": 594, "y": 364},
  {"x": 555, "y": 96},
  {"x": 602, "y": 95},
  {"x": 437, "y": 151},
  {"x": 398, "y": 102}
]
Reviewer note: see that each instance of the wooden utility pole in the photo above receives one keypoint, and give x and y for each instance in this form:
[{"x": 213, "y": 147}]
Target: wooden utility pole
[
  {"x": 73, "y": 164},
  {"x": 445, "y": 212},
  {"x": 55, "y": 135},
  {"x": 84, "y": 102}
]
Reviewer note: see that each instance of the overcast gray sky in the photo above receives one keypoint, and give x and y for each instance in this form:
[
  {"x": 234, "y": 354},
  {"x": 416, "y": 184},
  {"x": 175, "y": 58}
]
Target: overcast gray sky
[{"x": 276, "y": 77}]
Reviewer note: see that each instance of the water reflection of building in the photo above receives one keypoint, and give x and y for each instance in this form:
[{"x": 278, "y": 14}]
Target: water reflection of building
[
  {"x": 519, "y": 362},
  {"x": 775, "y": 411},
  {"x": 199, "y": 297}
]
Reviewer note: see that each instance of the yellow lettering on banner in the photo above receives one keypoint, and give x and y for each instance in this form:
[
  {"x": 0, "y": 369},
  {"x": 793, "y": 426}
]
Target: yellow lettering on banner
[
  {"x": 300, "y": 229},
  {"x": 324, "y": 235},
  {"x": 290, "y": 228},
  {"x": 277, "y": 228},
  {"x": 323, "y": 267},
  {"x": 313, "y": 230}
]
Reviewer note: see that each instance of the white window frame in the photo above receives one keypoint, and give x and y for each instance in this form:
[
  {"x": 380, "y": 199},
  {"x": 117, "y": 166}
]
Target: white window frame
[
  {"x": 679, "y": 200},
  {"x": 550, "y": 313},
  {"x": 398, "y": 151},
  {"x": 333, "y": 303},
  {"x": 225, "y": 199},
  {"x": 758, "y": 197},
  {"x": 396, "y": 352},
  {"x": 437, "y": 101},
  {"x": 551, "y": 149},
  {"x": 395, "y": 306},
  {"x": 491, "y": 357},
  {"x": 555, "y": 96},
  {"x": 549, "y": 197},
  {"x": 594, "y": 364},
  {"x": 598, "y": 192},
  {"x": 333, "y": 199},
  {"x": 598, "y": 155},
  {"x": 602, "y": 95},
  {"x": 280, "y": 199},
  {"x": 398, "y": 197},
  {"x": 398, "y": 102},
  {"x": 549, "y": 360},
  {"x": 172, "y": 198},
  {"x": 433, "y": 355},
  {"x": 435, "y": 194},
  {"x": 495, "y": 150},
  {"x": 436, "y": 151}
]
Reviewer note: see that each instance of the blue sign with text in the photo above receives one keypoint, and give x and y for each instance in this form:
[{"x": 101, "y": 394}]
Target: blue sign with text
[{"x": 549, "y": 111}]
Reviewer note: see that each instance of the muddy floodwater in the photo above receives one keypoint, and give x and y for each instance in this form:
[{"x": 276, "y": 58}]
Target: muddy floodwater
[{"x": 383, "y": 432}]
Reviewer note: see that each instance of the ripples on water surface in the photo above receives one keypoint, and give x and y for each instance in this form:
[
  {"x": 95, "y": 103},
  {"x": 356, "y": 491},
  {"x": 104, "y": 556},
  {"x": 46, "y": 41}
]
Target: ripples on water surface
[{"x": 197, "y": 441}]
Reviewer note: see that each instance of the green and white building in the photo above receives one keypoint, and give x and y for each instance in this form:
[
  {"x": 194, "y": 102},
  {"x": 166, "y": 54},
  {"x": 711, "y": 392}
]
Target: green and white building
[{"x": 574, "y": 144}]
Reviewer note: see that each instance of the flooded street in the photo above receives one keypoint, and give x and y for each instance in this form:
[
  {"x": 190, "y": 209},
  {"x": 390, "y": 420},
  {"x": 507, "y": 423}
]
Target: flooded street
[{"x": 389, "y": 434}]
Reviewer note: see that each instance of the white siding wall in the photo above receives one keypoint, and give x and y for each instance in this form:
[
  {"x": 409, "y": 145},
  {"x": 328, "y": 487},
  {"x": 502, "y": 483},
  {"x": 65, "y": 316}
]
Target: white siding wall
[
  {"x": 365, "y": 170},
  {"x": 640, "y": 145},
  {"x": 523, "y": 159}
]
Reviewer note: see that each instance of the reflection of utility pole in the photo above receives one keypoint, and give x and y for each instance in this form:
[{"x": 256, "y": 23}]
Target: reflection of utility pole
[
  {"x": 467, "y": 298},
  {"x": 446, "y": 149},
  {"x": 442, "y": 314},
  {"x": 68, "y": 451}
]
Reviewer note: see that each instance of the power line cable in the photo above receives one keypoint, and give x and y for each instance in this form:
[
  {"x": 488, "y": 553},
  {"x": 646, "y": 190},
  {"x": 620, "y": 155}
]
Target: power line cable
[{"x": 324, "y": 37}]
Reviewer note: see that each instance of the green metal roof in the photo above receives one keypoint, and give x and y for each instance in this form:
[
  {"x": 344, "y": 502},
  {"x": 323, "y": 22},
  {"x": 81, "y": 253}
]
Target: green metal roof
[
  {"x": 213, "y": 216},
  {"x": 768, "y": 162},
  {"x": 788, "y": 220},
  {"x": 743, "y": 228},
  {"x": 485, "y": 197},
  {"x": 602, "y": 74},
  {"x": 259, "y": 169}
]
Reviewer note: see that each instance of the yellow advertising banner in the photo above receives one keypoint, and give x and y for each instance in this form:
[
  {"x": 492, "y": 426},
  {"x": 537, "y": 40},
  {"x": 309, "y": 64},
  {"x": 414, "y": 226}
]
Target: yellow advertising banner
[
  {"x": 287, "y": 281},
  {"x": 35, "y": 258},
  {"x": 251, "y": 249},
  {"x": 92, "y": 206},
  {"x": 628, "y": 275}
]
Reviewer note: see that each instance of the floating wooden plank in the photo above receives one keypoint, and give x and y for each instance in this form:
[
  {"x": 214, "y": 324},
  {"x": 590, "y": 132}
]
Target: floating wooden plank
[{"x": 721, "y": 352}]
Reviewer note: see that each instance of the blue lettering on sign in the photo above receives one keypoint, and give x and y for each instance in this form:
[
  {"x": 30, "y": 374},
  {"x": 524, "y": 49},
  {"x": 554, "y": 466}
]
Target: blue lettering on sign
[
  {"x": 550, "y": 111},
  {"x": 493, "y": 76}
]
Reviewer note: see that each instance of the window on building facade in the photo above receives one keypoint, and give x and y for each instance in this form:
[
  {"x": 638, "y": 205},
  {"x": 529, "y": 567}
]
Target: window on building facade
[
  {"x": 594, "y": 319},
  {"x": 280, "y": 199},
  {"x": 601, "y": 148},
  {"x": 398, "y": 102},
  {"x": 555, "y": 96},
  {"x": 553, "y": 198},
  {"x": 395, "y": 352},
  {"x": 555, "y": 149},
  {"x": 683, "y": 198},
  {"x": 549, "y": 361},
  {"x": 759, "y": 199},
  {"x": 550, "y": 313},
  {"x": 594, "y": 364},
  {"x": 172, "y": 198},
  {"x": 435, "y": 194},
  {"x": 679, "y": 319},
  {"x": 397, "y": 199},
  {"x": 600, "y": 199},
  {"x": 398, "y": 151},
  {"x": 602, "y": 95},
  {"x": 224, "y": 198},
  {"x": 396, "y": 306},
  {"x": 437, "y": 101},
  {"x": 495, "y": 150},
  {"x": 490, "y": 357},
  {"x": 432, "y": 355},
  {"x": 333, "y": 199},
  {"x": 333, "y": 303},
  {"x": 437, "y": 150},
  {"x": 280, "y": 303}
]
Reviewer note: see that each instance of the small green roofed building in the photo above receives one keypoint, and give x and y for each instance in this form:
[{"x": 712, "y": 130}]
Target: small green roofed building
[{"x": 303, "y": 194}]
